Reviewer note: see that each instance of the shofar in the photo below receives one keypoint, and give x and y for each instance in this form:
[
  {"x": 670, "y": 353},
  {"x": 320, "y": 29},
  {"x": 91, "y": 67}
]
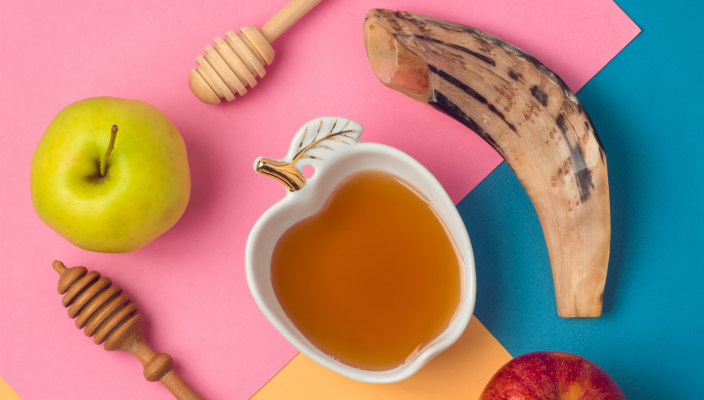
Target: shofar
[{"x": 532, "y": 119}]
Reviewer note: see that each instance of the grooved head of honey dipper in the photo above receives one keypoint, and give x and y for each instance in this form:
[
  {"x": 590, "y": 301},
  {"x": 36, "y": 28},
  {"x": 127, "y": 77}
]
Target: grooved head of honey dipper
[
  {"x": 125, "y": 335},
  {"x": 201, "y": 89},
  {"x": 68, "y": 275}
]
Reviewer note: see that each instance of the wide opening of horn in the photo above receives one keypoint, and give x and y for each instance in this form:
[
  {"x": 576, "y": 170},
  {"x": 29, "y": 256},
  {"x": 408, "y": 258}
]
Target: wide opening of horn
[{"x": 393, "y": 64}]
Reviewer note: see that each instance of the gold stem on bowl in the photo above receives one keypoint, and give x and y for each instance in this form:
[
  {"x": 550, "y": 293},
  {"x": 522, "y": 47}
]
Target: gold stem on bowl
[{"x": 289, "y": 176}]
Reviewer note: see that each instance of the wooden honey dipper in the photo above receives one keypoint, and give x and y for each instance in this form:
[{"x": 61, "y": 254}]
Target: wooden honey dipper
[
  {"x": 235, "y": 61},
  {"x": 104, "y": 311}
]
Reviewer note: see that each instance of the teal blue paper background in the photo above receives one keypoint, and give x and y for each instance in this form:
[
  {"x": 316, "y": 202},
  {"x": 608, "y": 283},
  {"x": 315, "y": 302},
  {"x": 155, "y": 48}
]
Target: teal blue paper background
[{"x": 647, "y": 106}]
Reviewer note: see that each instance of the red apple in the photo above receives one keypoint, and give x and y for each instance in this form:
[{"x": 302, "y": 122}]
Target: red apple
[{"x": 551, "y": 375}]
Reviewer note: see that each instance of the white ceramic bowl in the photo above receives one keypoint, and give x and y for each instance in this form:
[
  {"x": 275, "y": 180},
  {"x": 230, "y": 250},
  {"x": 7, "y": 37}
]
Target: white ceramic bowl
[{"x": 333, "y": 163}]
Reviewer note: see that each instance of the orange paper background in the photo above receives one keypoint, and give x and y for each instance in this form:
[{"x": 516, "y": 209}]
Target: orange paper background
[{"x": 460, "y": 372}]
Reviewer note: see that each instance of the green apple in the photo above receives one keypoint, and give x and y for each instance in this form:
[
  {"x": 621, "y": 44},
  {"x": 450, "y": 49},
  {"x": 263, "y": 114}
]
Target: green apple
[{"x": 139, "y": 192}]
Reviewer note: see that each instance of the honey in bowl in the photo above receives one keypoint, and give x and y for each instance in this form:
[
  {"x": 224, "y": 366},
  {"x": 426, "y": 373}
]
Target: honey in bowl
[{"x": 373, "y": 277}]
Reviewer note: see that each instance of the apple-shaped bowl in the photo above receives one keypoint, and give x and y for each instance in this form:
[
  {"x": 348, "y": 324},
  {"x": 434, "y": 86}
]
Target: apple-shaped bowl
[{"x": 333, "y": 161}]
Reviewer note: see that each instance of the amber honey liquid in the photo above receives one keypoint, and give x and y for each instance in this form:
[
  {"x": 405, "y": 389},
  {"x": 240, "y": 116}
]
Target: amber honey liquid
[{"x": 373, "y": 277}]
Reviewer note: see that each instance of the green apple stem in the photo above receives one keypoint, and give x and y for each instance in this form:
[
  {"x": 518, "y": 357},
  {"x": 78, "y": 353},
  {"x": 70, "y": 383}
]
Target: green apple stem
[{"x": 104, "y": 160}]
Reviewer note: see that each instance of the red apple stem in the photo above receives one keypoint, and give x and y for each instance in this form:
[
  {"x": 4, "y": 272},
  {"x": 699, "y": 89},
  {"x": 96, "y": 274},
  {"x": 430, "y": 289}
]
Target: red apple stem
[{"x": 104, "y": 160}]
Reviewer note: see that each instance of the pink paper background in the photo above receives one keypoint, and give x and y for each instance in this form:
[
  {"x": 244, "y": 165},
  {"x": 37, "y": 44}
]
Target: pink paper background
[{"x": 190, "y": 282}]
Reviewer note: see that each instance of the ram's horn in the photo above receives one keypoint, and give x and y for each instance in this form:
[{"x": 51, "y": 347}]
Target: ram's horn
[{"x": 532, "y": 119}]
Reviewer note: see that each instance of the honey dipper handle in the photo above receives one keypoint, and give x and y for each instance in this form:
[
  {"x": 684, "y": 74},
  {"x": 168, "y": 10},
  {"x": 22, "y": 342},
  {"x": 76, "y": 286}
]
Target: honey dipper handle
[
  {"x": 287, "y": 16},
  {"x": 158, "y": 367},
  {"x": 178, "y": 387}
]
